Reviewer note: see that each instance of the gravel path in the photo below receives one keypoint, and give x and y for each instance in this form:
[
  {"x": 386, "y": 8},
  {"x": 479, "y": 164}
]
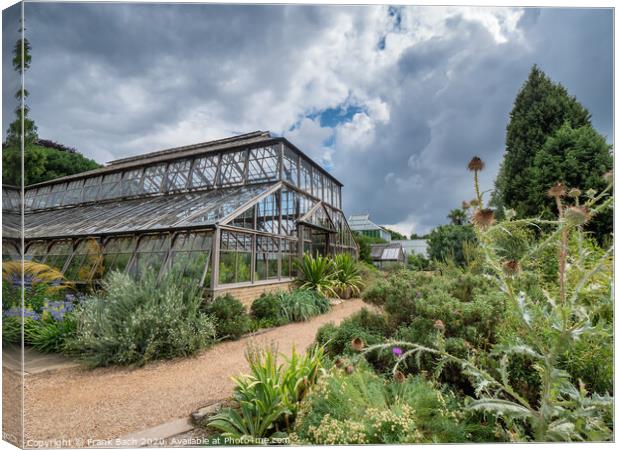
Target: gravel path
[{"x": 75, "y": 405}]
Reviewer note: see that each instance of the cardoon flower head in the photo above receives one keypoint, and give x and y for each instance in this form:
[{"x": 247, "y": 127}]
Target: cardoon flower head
[{"x": 398, "y": 352}]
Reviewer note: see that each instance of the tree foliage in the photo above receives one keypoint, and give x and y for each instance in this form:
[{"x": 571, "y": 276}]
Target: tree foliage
[
  {"x": 549, "y": 138},
  {"x": 42, "y": 164},
  {"x": 42, "y": 160},
  {"x": 364, "y": 242},
  {"x": 446, "y": 242}
]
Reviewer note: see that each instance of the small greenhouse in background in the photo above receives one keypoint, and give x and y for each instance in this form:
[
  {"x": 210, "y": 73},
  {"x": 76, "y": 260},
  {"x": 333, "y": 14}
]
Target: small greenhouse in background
[{"x": 231, "y": 213}]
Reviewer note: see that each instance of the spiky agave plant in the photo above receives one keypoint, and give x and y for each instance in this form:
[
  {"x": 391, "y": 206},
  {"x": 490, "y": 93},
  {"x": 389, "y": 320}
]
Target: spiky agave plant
[
  {"x": 348, "y": 279},
  {"x": 317, "y": 273}
]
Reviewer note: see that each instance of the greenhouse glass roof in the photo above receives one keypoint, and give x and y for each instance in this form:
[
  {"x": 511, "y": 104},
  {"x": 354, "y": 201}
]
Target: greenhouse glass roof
[{"x": 178, "y": 211}]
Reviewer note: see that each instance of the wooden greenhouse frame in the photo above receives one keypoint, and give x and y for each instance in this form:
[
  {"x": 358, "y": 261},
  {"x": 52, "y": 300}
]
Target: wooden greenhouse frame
[{"x": 231, "y": 213}]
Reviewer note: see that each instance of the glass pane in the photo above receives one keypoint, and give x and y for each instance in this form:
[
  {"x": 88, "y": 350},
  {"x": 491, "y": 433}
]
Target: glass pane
[
  {"x": 110, "y": 186},
  {"x": 91, "y": 188},
  {"x": 289, "y": 168},
  {"x": 203, "y": 173},
  {"x": 87, "y": 261},
  {"x": 58, "y": 254},
  {"x": 132, "y": 181},
  {"x": 263, "y": 164},
  {"x": 153, "y": 178},
  {"x": 178, "y": 175},
  {"x": 305, "y": 180},
  {"x": 232, "y": 168}
]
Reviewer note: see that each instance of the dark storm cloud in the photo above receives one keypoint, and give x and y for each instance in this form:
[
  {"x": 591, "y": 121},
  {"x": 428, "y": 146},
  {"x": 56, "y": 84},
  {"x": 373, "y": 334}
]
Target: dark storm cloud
[{"x": 114, "y": 79}]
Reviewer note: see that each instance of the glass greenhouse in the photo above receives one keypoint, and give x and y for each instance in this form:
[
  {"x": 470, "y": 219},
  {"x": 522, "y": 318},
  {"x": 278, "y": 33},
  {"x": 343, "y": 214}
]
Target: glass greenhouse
[{"x": 233, "y": 212}]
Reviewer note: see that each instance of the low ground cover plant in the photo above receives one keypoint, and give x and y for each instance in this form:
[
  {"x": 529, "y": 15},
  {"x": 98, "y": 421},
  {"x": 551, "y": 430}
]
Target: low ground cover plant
[
  {"x": 136, "y": 320},
  {"x": 356, "y": 406}
]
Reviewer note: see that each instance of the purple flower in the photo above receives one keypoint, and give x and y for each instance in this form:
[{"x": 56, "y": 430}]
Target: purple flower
[{"x": 398, "y": 352}]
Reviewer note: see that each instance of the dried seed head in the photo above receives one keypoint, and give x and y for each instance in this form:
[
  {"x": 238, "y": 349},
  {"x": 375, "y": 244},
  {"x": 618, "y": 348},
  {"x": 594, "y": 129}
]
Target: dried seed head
[
  {"x": 557, "y": 190},
  {"x": 439, "y": 325},
  {"x": 484, "y": 218},
  {"x": 574, "y": 193},
  {"x": 465, "y": 205},
  {"x": 476, "y": 164},
  {"x": 339, "y": 362},
  {"x": 609, "y": 176},
  {"x": 511, "y": 267},
  {"x": 399, "y": 377},
  {"x": 577, "y": 215},
  {"x": 357, "y": 344},
  {"x": 474, "y": 202},
  {"x": 349, "y": 370}
]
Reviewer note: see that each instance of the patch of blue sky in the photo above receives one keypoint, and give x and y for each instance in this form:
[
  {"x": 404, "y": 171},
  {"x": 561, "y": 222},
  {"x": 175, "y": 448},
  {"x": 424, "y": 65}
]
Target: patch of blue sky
[{"x": 332, "y": 117}]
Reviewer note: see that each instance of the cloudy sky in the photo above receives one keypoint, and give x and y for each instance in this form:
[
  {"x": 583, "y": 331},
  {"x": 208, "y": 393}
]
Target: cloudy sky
[{"x": 394, "y": 101}]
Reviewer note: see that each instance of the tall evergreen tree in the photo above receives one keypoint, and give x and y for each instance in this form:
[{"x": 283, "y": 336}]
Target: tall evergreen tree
[
  {"x": 41, "y": 162},
  {"x": 549, "y": 138}
]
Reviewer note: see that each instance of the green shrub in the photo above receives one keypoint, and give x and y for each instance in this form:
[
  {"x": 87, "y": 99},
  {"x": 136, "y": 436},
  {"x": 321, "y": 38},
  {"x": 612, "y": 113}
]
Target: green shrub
[
  {"x": 363, "y": 408},
  {"x": 231, "y": 319},
  {"x": 300, "y": 305},
  {"x": 446, "y": 242},
  {"x": 372, "y": 328},
  {"x": 133, "y": 321},
  {"x": 268, "y": 307}
]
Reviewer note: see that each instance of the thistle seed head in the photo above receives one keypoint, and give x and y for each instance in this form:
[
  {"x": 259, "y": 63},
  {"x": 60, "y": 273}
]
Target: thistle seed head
[
  {"x": 476, "y": 164},
  {"x": 474, "y": 203},
  {"x": 484, "y": 218},
  {"x": 438, "y": 325},
  {"x": 349, "y": 370},
  {"x": 465, "y": 205},
  {"x": 557, "y": 190},
  {"x": 399, "y": 377},
  {"x": 357, "y": 344},
  {"x": 511, "y": 267}
]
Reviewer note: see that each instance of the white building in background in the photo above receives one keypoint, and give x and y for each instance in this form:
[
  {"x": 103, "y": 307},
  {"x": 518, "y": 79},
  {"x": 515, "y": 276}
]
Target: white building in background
[
  {"x": 363, "y": 225},
  {"x": 414, "y": 246}
]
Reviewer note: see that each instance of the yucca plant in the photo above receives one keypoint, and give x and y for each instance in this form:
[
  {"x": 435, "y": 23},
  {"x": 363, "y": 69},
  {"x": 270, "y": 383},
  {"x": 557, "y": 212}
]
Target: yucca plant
[
  {"x": 348, "y": 279},
  {"x": 317, "y": 273}
]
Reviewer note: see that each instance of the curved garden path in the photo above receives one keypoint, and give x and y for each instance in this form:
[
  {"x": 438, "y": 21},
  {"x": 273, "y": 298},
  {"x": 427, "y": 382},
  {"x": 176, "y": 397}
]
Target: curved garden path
[{"x": 77, "y": 404}]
